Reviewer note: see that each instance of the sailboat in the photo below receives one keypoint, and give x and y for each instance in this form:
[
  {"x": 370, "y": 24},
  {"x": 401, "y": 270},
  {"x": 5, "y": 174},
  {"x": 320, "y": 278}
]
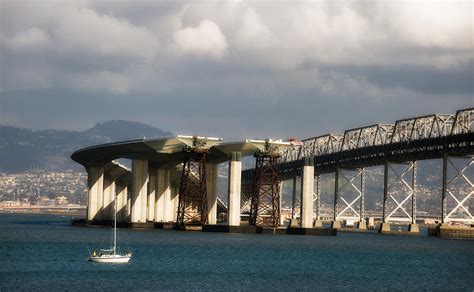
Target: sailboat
[{"x": 111, "y": 255}]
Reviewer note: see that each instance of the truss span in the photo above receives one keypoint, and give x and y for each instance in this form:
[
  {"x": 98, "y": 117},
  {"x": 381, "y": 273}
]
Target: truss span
[{"x": 418, "y": 138}]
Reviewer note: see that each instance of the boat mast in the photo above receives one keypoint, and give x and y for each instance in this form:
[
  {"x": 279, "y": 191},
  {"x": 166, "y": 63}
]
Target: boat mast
[{"x": 115, "y": 223}]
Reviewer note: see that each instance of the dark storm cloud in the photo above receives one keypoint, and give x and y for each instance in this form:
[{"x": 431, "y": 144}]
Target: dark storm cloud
[{"x": 422, "y": 79}]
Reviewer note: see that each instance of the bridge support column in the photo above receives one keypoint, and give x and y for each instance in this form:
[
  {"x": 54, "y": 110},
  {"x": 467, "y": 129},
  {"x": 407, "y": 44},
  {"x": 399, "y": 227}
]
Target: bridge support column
[
  {"x": 235, "y": 181},
  {"x": 164, "y": 206},
  {"x": 294, "y": 201},
  {"x": 317, "y": 221},
  {"x": 444, "y": 189},
  {"x": 108, "y": 198},
  {"x": 265, "y": 206},
  {"x": 211, "y": 181},
  {"x": 129, "y": 203},
  {"x": 95, "y": 190},
  {"x": 150, "y": 206},
  {"x": 362, "y": 223},
  {"x": 350, "y": 194},
  {"x": 121, "y": 198},
  {"x": 335, "y": 222},
  {"x": 413, "y": 225},
  {"x": 192, "y": 205},
  {"x": 457, "y": 190},
  {"x": 396, "y": 199},
  {"x": 307, "y": 193},
  {"x": 385, "y": 226},
  {"x": 139, "y": 195}
]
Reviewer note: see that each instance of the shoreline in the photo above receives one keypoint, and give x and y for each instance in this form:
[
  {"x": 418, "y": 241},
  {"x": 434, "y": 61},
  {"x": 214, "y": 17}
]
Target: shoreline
[{"x": 45, "y": 212}]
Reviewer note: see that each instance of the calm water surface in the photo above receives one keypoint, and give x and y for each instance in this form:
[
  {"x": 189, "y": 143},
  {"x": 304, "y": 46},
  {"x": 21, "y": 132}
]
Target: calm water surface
[{"x": 42, "y": 252}]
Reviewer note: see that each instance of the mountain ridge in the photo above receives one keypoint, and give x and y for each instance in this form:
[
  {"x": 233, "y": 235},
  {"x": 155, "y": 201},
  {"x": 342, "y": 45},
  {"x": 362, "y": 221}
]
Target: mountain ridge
[{"x": 23, "y": 149}]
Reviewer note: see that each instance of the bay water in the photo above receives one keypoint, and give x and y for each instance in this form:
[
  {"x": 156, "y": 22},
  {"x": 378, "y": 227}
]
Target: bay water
[{"x": 46, "y": 253}]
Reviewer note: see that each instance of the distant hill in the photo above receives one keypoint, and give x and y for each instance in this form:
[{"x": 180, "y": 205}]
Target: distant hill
[
  {"x": 125, "y": 130},
  {"x": 25, "y": 149}
]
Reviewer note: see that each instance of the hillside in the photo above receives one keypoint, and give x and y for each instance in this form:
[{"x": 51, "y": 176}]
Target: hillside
[{"x": 25, "y": 149}]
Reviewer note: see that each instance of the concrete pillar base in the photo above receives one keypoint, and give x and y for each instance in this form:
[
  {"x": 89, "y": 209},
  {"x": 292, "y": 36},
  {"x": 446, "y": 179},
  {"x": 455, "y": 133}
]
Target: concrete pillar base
[
  {"x": 385, "y": 227},
  {"x": 362, "y": 225},
  {"x": 336, "y": 224},
  {"x": 318, "y": 223},
  {"x": 313, "y": 231},
  {"x": 413, "y": 228},
  {"x": 294, "y": 223}
]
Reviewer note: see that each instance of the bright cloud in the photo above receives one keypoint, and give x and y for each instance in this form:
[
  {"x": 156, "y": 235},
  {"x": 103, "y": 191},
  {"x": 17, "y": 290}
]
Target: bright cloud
[{"x": 206, "y": 39}]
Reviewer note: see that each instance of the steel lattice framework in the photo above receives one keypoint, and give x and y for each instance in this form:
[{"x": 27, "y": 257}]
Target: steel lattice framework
[
  {"x": 408, "y": 140},
  {"x": 265, "y": 204},
  {"x": 353, "y": 183},
  {"x": 399, "y": 194},
  {"x": 192, "y": 206},
  {"x": 455, "y": 196},
  {"x": 424, "y": 137}
]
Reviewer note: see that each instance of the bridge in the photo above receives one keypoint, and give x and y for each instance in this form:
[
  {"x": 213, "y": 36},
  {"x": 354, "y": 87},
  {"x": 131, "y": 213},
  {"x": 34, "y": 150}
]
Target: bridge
[
  {"x": 173, "y": 179},
  {"x": 395, "y": 146}
]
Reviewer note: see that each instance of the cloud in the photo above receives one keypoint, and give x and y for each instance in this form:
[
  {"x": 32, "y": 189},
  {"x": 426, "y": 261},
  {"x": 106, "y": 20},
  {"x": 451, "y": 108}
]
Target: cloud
[
  {"x": 31, "y": 40},
  {"x": 253, "y": 34},
  {"x": 204, "y": 40},
  {"x": 254, "y": 67},
  {"x": 87, "y": 32}
]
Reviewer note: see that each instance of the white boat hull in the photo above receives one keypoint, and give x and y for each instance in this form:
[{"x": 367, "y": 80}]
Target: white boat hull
[
  {"x": 112, "y": 259},
  {"x": 110, "y": 256}
]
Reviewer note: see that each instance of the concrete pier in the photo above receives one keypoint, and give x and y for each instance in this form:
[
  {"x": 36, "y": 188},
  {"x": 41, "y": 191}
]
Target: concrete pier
[
  {"x": 318, "y": 223},
  {"x": 235, "y": 172},
  {"x": 448, "y": 231},
  {"x": 95, "y": 186},
  {"x": 313, "y": 231},
  {"x": 211, "y": 188},
  {"x": 150, "y": 206},
  {"x": 307, "y": 190},
  {"x": 413, "y": 228},
  {"x": 121, "y": 198},
  {"x": 229, "y": 229},
  {"x": 385, "y": 228},
  {"x": 139, "y": 195},
  {"x": 336, "y": 224},
  {"x": 362, "y": 225},
  {"x": 108, "y": 198},
  {"x": 164, "y": 206}
]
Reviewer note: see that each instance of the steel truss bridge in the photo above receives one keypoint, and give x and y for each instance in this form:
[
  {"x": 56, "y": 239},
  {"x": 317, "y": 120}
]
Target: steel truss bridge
[{"x": 397, "y": 147}]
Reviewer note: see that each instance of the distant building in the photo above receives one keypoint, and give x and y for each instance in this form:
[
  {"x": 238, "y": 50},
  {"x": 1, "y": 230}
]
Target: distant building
[
  {"x": 45, "y": 201},
  {"x": 61, "y": 200},
  {"x": 14, "y": 204}
]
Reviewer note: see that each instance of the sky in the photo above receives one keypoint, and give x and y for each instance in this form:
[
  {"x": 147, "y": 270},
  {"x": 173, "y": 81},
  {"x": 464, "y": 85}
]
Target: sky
[{"x": 233, "y": 69}]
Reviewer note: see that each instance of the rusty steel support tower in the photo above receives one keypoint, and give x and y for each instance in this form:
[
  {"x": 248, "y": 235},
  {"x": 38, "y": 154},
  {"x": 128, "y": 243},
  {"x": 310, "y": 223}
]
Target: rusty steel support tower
[
  {"x": 265, "y": 206},
  {"x": 192, "y": 203}
]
